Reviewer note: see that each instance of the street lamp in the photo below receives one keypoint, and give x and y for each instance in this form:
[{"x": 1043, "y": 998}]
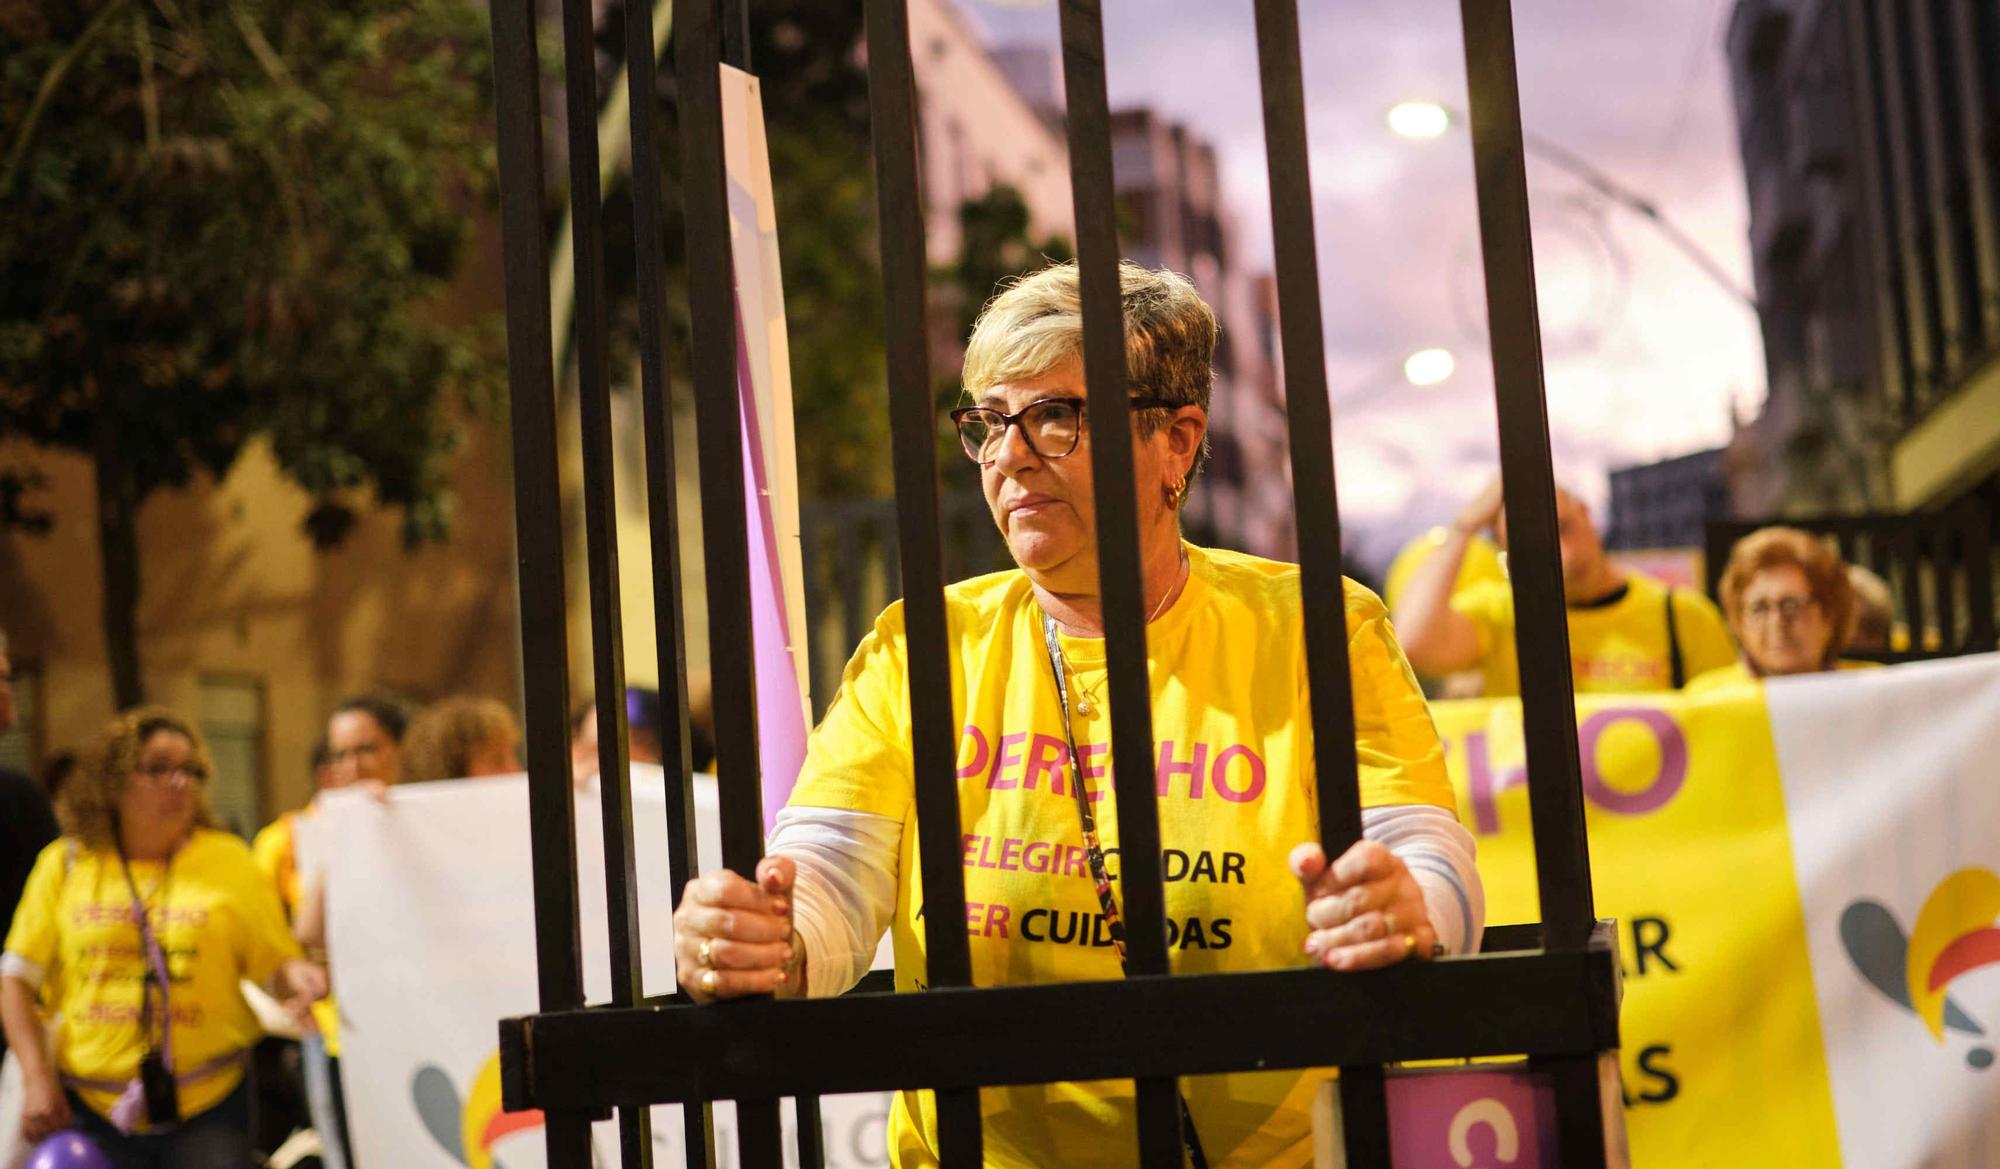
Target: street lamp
[
  {"x": 1423, "y": 369},
  {"x": 1428, "y": 367},
  {"x": 1427, "y": 120}
]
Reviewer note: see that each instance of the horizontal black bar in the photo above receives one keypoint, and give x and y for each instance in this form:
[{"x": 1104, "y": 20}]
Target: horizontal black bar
[{"x": 1529, "y": 1003}]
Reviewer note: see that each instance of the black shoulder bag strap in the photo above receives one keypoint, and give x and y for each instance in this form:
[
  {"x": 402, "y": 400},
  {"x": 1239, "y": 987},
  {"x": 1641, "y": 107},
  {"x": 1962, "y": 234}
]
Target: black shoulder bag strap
[
  {"x": 1113, "y": 923},
  {"x": 1676, "y": 666}
]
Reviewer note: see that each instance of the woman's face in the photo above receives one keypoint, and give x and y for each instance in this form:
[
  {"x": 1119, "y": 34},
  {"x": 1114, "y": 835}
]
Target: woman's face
[
  {"x": 1044, "y": 506},
  {"x": 162, "y": 789},
  {"x": 1783, "y": 627},
  {"x": 358, "y": 749}
]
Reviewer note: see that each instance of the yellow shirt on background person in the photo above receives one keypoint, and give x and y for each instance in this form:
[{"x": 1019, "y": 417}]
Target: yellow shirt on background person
[
  {"x": 1619, "y": 645},
  {"x": 276, "y": 851},
  {"x": 215, "y": 918},
  {"x": 1737, "y": 673},
  {"x": 1233, "y": 757}
]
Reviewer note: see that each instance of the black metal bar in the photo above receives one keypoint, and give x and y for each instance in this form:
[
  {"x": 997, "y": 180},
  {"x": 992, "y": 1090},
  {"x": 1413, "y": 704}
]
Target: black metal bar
[
  {"x": 1942, "y": 550},
  {"x": 1310, "y": 417},
  {"x": 1978, "y": 76},
  {"x": 811, "y": 1141},
  {"x": 1935, "y": 150},
  {"x": 892, "y": 96},
  {"x": 1919, "y": 313},
  {"x": 1556, "y": 1003},
  {"x": 539, "y": 548},
  {"x": 1122, "y": 587},
  {"x": 662, "y": 499},
  {"x": 600, "y": 521},
  {"x": 719, "y": 441},
  {"x": 1909, "y": 566},
  {"x": 736, "y": 33},
  {"x": 1364, "y": 1114},
  {"x": 1548, "y": 700},
  {"x": 1978, "y": 554},
  {"x": 719, "y": 434},
  {"x": 1308, "y": 412}
]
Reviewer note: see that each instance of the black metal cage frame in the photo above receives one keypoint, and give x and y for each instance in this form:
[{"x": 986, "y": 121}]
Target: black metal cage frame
[{"x": 1547, "y": 991}]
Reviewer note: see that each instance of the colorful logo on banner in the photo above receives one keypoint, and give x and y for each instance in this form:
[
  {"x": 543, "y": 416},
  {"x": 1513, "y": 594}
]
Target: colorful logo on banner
[
  {"x": 468, "y": 1130},
  {"x": 1955, "y": 933}
]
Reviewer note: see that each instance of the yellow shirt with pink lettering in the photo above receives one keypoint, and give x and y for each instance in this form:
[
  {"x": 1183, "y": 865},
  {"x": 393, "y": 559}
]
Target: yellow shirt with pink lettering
[
  {"x": 1233, "y": 762},
  {"x": 217, "y": 923}
]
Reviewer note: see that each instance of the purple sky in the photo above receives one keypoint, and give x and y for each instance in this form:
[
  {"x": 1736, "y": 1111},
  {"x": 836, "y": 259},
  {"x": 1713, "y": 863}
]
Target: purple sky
[{"x": 1645, "y": 356}]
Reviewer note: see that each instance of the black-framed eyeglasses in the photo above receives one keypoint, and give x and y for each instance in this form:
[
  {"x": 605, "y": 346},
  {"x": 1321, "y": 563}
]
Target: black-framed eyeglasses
[{"x": 1050, "y": 426}]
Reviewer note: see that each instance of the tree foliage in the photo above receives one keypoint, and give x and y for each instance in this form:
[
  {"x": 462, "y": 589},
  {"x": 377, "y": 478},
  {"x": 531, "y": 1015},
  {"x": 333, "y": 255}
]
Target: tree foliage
[
  {"x": 225, "y": 219},
  {"x": 228, "y": 218}
]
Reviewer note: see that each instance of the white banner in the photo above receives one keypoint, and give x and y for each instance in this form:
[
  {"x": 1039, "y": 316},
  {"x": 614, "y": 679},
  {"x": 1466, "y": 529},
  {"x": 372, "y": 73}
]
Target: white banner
[
  {"x": 431, "y": 921},
  {"x": 1892, "y": 793}
]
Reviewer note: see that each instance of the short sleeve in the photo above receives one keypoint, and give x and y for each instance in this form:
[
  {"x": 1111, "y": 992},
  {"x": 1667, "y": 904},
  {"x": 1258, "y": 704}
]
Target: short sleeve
[
  {"x": 1402, "y": 760},
  {"x": 1485, "y": 605},
  {"x": 272, "y": 852},
  {"x": 267, "y": 941},
  {"x": 36, "y": 932},
  {"x": 1705, "y": 641},
  {"x": 858, "y": 758}
]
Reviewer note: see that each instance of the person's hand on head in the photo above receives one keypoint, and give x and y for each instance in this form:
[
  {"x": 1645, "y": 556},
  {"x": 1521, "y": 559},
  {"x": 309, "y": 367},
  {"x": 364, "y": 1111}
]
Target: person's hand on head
[
  {"x": 1364, "y": 910},
  {"x": 733, "y": 937},
  {"x": 1482, "y": 513}
]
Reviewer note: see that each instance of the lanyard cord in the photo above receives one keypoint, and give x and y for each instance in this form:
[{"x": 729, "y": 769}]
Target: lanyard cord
[
  {"x": 1094, "y": 850},
  {"x": 155, "y": 958}
]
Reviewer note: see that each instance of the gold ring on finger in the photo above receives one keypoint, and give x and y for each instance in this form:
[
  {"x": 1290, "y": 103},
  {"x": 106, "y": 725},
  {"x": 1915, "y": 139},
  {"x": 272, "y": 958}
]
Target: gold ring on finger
[
  {"x": 1409, "y": 944},
  {"x": 705, "y": 956},
  {"x": 709, "y": 981}
]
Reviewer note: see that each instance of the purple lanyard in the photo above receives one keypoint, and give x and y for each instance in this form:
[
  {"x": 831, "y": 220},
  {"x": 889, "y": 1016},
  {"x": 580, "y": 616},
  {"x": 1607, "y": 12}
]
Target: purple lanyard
[{"x": 156, "y": 961}]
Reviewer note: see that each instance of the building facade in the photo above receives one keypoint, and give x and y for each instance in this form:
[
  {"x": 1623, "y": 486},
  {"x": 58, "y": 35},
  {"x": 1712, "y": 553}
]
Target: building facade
[
  {"x": 1667, "y": 504},
  {"x": 1870, "y": 133}
]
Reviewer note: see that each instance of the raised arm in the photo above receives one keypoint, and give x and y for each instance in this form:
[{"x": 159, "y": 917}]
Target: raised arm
[{"x": 1435, "y": 637}]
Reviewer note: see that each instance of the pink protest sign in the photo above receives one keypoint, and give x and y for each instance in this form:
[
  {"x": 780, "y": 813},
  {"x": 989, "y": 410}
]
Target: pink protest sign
[{"x": 1472, "y": 1118}]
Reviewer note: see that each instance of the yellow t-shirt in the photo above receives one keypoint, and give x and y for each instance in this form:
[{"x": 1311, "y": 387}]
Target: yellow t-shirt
[
  {"x": 1235, "y": 767},
  {"x": 276, "y": 851},
  {"x": 1616, "y": 646},
  {"x": 215, "y": 919},
  {"x": 1737, "y": 673}
]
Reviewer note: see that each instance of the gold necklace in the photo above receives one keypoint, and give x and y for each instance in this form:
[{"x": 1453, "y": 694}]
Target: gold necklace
[{"x": 1085, "y": 691}]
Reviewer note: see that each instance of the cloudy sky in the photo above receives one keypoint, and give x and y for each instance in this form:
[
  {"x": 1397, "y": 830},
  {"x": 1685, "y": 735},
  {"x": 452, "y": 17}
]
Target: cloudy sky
[{"x": 1646, "y": 357}]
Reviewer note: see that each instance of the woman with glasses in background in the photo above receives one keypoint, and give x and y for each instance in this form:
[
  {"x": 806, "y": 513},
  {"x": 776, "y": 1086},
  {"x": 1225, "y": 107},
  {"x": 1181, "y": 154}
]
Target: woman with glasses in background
[
  {"x": 1247, "y": 886},
  {"x": 363, "y": 748},
  {"x": 135, "y": 932},
  {"x": 1790, "y": 604}
]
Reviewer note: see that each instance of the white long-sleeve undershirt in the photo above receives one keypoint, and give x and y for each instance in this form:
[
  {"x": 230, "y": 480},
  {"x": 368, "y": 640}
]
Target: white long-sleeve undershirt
[{"x": 845, "y": 894}]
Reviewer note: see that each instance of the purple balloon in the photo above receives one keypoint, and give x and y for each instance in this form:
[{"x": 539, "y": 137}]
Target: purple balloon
[{"x": 68, "y": 1149}]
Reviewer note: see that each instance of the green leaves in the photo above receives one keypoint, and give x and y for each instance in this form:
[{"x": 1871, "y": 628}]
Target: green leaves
[{"x": 239, "y": 217}]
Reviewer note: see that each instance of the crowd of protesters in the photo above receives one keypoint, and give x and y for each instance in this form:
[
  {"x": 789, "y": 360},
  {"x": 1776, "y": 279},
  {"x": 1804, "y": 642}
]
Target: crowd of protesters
[
  {"x": 131, "y": 918},
  {"x": 1789, "y": 606},
  {"x": 132, "y": 921}
]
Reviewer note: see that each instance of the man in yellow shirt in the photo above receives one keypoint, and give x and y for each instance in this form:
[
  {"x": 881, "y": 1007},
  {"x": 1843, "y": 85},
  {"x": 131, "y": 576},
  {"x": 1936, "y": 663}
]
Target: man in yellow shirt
[
  {"x": 1232, "y": 757},
  {"x": 1626, "y": 631}
]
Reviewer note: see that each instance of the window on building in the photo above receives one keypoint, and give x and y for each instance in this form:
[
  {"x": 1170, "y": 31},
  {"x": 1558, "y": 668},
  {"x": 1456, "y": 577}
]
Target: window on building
[
  {"x": 18, "y": 749},
  {"x": 232, "y": 720}
]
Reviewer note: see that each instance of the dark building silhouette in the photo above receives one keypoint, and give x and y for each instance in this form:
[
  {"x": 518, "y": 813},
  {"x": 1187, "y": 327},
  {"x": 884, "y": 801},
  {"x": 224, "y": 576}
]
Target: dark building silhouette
[{"x": 1870, "y": 132}]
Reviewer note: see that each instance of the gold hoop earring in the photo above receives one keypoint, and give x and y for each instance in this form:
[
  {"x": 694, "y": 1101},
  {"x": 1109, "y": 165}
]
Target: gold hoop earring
[{"x": 1177, "y": 495}]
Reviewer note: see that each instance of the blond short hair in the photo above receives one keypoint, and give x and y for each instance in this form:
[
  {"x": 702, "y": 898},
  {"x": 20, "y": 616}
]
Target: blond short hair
[
  {"x": 88, "y": 803},
  {"x": 1825, "y": 573},
  {"x": 446, "y": 735},
  {"x": 1036, "y": 324}
]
